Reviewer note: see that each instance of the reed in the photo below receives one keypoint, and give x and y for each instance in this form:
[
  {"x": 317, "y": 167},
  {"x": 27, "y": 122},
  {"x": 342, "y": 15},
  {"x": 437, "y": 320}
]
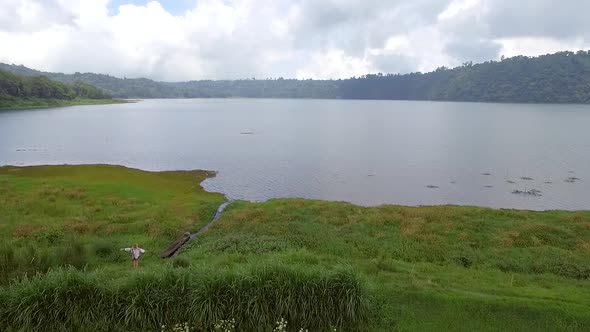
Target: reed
[{"x": 73, "y": 300}]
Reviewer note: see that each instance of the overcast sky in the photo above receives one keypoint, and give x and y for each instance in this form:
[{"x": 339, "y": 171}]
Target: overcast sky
[{"x": 215, "y": 39}]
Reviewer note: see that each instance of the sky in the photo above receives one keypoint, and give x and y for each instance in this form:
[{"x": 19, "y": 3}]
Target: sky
[{"x": 178, "y": 40}]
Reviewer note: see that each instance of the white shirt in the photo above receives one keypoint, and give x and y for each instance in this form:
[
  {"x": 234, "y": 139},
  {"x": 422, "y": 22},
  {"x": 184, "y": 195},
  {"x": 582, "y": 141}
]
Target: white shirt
[{"x": 135, "y": 252}]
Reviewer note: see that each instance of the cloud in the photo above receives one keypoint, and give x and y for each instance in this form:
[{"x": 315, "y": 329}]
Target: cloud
[
  {"x": 473, "y": 50},
  {"x": 531, "y": 46},
  {"x": 335, "y": 63},
  {"x": 22, "y": 16},
  {"x": 354, "y": 26},
  {"x": 564, "y": 19},
  {"x": 217, "y": 39}
]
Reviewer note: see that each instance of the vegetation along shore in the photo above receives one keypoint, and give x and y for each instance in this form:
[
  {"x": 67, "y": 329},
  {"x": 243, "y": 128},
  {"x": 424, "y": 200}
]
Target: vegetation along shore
[
  {"x": 309, "y": 264},
  {"x": 15, "y": 104},
  {"x": 23, "y": 92},
  {"x": 562, "y": 77}
]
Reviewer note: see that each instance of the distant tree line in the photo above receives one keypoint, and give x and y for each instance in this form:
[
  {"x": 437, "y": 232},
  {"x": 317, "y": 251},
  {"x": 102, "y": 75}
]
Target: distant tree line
[
  {"x": 13, "y": 86},
  {"x": 562, "y": 77},
  {"x": 557, "y": 78}
]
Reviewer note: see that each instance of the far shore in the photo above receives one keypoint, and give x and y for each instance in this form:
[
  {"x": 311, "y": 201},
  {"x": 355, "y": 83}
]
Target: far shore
[{"x": 18, "y": 104}]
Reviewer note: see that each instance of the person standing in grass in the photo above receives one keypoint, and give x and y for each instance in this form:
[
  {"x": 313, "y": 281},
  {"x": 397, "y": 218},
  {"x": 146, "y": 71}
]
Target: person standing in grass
[{"x": 135, "y": 253}]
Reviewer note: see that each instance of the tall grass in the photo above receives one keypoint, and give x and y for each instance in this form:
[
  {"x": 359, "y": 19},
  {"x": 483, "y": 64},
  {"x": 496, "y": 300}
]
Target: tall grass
[
  {"x": 30, "y": 260},
  {"x": 73, "y": 300}
]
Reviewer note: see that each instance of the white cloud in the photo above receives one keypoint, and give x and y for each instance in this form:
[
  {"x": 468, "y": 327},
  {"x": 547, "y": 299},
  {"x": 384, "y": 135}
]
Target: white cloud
[
  {"x": 456, "y": 7},
  {"x": 32, "y": 15},
  {"x": 531, "y": 46},
  {"x": 335, "y": 64},
  {"x": 290, "y": 38}
]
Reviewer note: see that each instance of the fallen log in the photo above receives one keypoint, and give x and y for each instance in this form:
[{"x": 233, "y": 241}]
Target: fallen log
[{"x": 173, "y": 248}]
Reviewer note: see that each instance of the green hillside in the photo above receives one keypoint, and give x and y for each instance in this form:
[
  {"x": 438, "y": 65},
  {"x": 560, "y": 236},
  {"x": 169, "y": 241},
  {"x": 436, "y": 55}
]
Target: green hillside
[
  {"x": 562, "y": 77},
  {"x": 18, "y": 91}
]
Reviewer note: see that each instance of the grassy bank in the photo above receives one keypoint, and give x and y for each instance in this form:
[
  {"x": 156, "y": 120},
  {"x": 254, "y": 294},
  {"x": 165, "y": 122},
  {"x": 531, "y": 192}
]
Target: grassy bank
[
  {"x": 429, "y": 268},
  {"x": 82, "y": 215},
  {"x": 422, "y": 268},
  {"x": 44, "y": 103}
]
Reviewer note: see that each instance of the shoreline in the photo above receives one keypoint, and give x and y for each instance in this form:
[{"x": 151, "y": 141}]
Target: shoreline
[
  {"x": 24, "y": 104},
  {"x": 212, "y": 174},
  {"x": 481, "y": 266}
]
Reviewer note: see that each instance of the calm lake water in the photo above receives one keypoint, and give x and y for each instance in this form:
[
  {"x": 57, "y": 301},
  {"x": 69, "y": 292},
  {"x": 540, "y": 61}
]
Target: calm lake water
[{"x": 365, "y": 152}]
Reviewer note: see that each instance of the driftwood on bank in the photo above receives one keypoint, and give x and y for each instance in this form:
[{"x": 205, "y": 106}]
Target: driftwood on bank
[
  {"x": 176, "y": 245},
  {"x": 173, "y": 248}
]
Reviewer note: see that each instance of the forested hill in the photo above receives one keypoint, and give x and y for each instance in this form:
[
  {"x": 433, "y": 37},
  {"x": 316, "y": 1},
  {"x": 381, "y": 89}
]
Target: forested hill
[
  {"x": 146, "y": 88},
  {"x": 556, "y": 78},
  {"x": 18, "y": 87}
]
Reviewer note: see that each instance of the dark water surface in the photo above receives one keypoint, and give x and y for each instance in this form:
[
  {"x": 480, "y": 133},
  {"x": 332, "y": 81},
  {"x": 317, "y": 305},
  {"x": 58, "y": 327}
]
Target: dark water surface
[{"x": 365, "y": 152}]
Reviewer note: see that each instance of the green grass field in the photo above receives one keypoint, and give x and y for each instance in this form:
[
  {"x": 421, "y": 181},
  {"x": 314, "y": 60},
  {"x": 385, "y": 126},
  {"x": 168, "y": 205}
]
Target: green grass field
[
  {"x": 414, "y": 268},
  {"x": 101, "y": 208},
  {"x": 19, "y": 103}
]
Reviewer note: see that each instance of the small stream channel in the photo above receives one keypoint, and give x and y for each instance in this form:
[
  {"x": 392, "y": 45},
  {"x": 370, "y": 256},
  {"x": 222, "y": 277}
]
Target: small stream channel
[
  {"x": 215, "y": 218},
  {"x": 203, "y": 229}
]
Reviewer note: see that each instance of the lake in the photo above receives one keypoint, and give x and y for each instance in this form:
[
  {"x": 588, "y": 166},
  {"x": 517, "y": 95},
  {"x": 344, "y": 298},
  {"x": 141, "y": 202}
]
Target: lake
[{"x": 365, "y": 152}]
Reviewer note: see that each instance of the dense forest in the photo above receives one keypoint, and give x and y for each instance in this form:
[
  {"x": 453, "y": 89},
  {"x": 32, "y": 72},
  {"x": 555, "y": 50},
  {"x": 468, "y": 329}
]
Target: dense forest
[
  {"x": 14, "y": 86},
  {"x": 145, "y": 88},
  {"x": 563, "y": 77},
  {"x": 557, "y": 78}
]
